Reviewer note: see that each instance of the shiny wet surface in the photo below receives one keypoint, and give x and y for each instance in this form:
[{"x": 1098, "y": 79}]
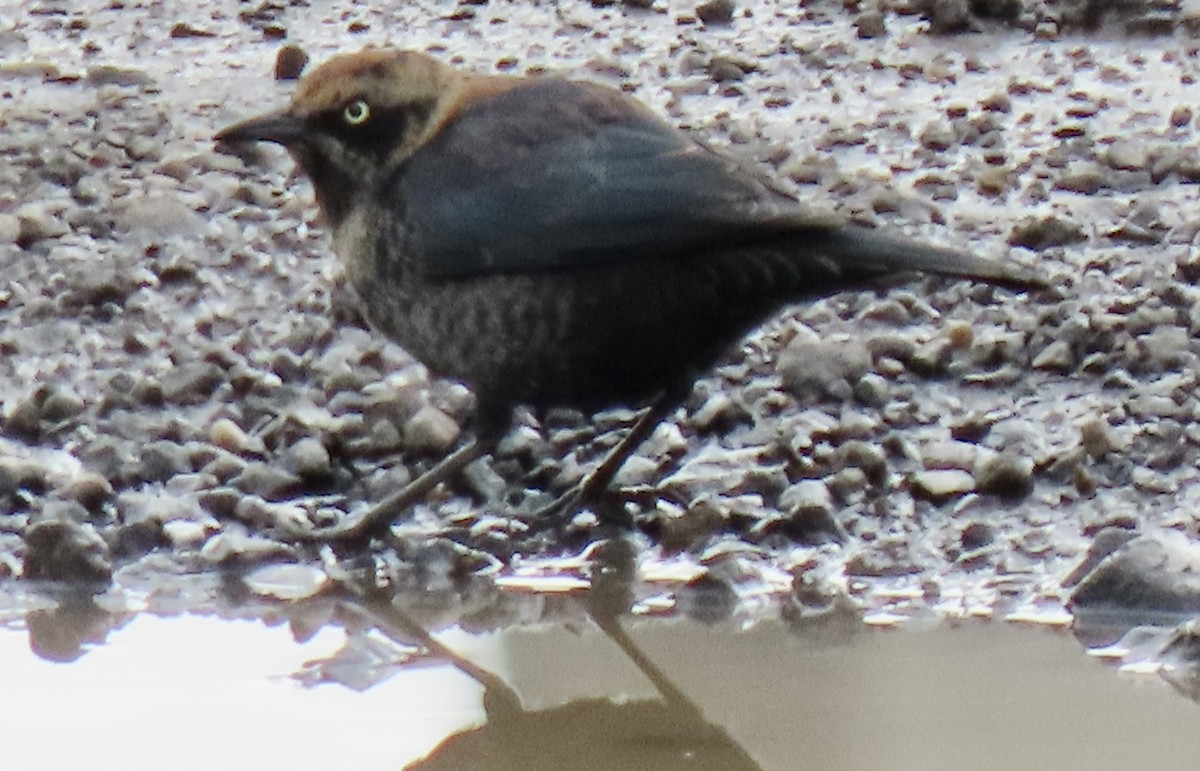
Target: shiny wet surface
[{"x": 368, "y": 690}]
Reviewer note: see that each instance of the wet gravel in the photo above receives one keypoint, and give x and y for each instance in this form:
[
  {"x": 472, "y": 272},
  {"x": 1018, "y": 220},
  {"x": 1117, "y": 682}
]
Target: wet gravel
[{"x": 181, "y": 378}]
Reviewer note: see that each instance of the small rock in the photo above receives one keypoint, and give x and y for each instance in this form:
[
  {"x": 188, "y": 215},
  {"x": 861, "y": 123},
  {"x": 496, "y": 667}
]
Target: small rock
[
  {"x": 61, "y": 405},
  {"x": 229, "y": 436},
  {"x": 941, "y": 484},
  {"x": 807, "y": 494},
  {"x": 716, "y": 12},
  {"x": 266, "y": 481},
  {"x": 1056, "y": 357},
  {"x": 938, "y": 135},
  {"x": 707, "y": 599},
  {"x": 184, "y": 533},
  {"x": 1096, "y": 438},
  {"x": 949, "y": 16},
  {"x": 89, "y": 489},
  {"x": 185, "y": 30},
  {"x": 823, "y": 368},
  {"x": 809, "y": 507},
  {"x": 1128, "y": 155},
  {"x": 722, "y": 69},
  {"x": 24, "y": 421},
  {"x": 1083, "y": 177},
  {"x": 1150, "y": 574},
  {"x": 107, "y": 75},
  {"x": 134, "y": 539},
  {"x": 870, "y": 458},
  {"x": 704, "y": 517},
  {"x": 1004, "y": 474},
  {"x": 160, "y": 216},
  {"x": 483, "y": 482},
  {"x": 162, "y": 460},
  {"x": 719, "y": 414},
  {"x": 221, "y": 502},
  {"x": 63, "y": 550},
  {"x": 1046, "y": 232},
  {"x": 191, "y": 383},
  {"x": 236, "y": 547},
  {"x": 290, "y": 62},
  {"x": 871, "y": 390},
  {"x": 976, "y": 536},
  {"x": 37, "y": 223},
  {"x": 637, "y": 471},
  {"x": 431, "y": 431},
  {"x": 287, "y": 582},
  {"x": 309, "y": 459},
  {"x": 870, "y": 24}
]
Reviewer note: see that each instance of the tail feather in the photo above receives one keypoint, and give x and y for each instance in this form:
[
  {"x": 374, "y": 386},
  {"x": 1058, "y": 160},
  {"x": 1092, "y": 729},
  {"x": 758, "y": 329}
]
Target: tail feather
[{"x": 863, "y": 254}]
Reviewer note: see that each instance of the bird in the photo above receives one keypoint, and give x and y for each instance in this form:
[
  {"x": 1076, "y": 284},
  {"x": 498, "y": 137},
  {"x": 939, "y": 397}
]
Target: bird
[{"x": 552, "y": 242}]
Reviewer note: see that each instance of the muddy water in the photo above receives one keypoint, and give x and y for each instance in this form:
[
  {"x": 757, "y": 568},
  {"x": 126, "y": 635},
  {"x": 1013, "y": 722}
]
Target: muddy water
[{"x": 195, "y": 692}]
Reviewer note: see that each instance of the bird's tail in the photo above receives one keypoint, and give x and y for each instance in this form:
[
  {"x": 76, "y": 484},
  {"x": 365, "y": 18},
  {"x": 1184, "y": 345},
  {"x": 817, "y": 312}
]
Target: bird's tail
[{"x": 863, "y": 254}]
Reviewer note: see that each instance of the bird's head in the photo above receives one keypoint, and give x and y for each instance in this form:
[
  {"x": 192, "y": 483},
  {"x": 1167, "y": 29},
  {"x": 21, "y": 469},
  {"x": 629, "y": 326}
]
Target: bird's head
[{"x": 355, "y": 118}]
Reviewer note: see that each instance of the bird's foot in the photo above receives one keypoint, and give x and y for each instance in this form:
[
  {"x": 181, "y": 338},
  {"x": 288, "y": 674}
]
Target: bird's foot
[
  {"x": 378, "y": 517},
  {"x": 607, "y": 505}
]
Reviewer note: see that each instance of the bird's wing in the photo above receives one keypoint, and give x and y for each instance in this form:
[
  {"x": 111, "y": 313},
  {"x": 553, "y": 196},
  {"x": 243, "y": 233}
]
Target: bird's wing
[{"x": 558, "y": 175}]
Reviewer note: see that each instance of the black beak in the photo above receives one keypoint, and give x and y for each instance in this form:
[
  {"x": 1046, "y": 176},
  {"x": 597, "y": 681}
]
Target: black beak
[{"x": 281, "y": 127}]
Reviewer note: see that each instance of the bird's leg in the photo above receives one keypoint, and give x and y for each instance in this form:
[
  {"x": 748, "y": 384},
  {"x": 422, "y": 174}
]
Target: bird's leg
[
  {"x": 489, "y": 423},
  {"x": 379, "y": 516},
  {"x": 594, "y": 484}
]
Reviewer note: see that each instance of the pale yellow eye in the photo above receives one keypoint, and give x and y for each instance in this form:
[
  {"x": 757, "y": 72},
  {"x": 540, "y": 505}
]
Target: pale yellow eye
[{"x": 357, "y": 112}]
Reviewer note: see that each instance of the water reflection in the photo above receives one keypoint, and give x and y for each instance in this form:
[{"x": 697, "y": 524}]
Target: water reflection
[{"x": 353, "y": 672}]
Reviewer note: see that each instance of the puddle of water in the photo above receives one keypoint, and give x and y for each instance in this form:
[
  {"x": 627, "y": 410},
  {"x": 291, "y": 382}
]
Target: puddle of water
[{"x": 199, "y": 692}]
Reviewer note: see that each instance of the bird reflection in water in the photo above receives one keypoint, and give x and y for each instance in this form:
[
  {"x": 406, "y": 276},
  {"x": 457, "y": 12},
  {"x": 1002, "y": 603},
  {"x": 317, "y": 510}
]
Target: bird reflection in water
[{"x": 668, "y": 733}]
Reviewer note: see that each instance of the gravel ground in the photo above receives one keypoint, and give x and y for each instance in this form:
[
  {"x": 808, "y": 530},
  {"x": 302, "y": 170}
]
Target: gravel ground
[{"x": 179, "y": 373}]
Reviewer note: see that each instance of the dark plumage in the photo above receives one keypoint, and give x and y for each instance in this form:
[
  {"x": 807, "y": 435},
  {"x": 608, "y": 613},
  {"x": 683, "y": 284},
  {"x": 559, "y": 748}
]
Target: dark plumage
[{"x": 550, "y": 242}]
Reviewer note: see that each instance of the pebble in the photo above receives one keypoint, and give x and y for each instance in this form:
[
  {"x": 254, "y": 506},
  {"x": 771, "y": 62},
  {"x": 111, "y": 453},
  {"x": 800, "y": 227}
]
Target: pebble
[
  {"x": 683, "y": 529},
  {"x": 67, "y": 551},
  {"x": 266, "y": 481},
  {"x": 823, "y": 368},
  {"x": 1157, "y": 572},
  {"x": 1046, "y": 232},
  {"x": 229, "y": 436},
  {"x": 191, "y": 383},
  {"x": 105, "y": 74},
  {"x": 809, "y": 496},
  {"x": 871, "y": 390},
  {"x": 288, "y": 582},
  {"x": 722, "y": 69},
  {"x": 1055, "y": 357},
  {"x": 160, "y": 217},
  {"x": 236, "y": 547},
  {"x": 716, "y": 12},
  {"x": 431, "y": 431},
  {"x": 37, "y": 223},
  {"x": 221, "y": 502},
  {"x": 88, "y": 489},
  {"x": 61, "y": 405},
  {"x": 183, "y": 533},
  {"x": 941, "y": 485},
  {"x": 1005, "y": 475},
  {"x": 309, "y": 460},
  {"x": 290, "y": 62},
  {"x": 870, "y": 24},
  {"x": 162, "y": 460}
]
